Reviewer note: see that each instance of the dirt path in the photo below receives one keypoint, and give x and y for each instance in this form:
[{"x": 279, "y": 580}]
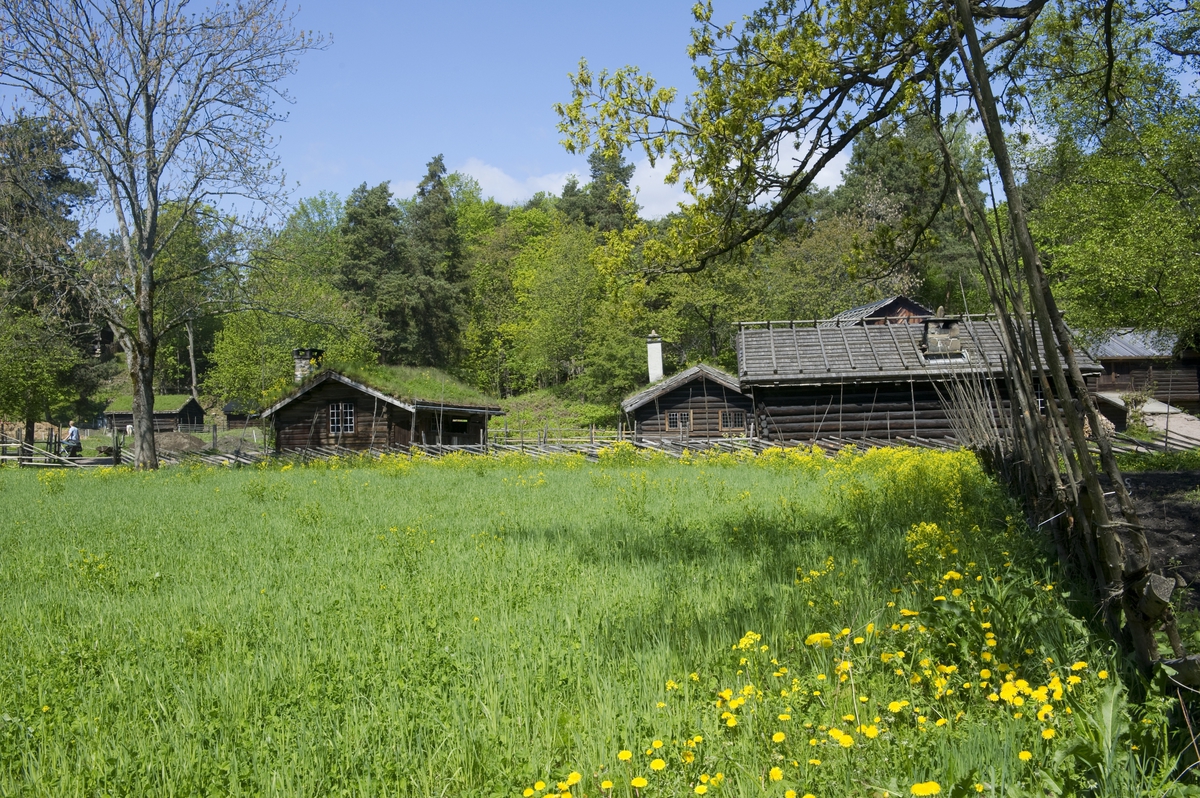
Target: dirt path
[{"x": 1169, "y": 505}]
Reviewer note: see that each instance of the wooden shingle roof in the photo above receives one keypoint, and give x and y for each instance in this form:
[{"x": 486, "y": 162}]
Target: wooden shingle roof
[
  {"x": 701, "y": 371},
  {"x": 801, "y": 353}
]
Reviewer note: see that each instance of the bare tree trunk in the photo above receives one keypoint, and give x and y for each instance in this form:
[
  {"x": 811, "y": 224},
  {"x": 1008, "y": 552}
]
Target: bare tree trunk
[
  {"x": 139, "y": 357},
  {"x": 30, "y": 429},
  {"x": 191, "y": 333}
]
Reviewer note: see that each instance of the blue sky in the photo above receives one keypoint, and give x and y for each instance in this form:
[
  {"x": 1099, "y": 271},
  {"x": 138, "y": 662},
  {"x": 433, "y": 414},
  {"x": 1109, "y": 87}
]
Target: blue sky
[{"x": 476, "y": 81}]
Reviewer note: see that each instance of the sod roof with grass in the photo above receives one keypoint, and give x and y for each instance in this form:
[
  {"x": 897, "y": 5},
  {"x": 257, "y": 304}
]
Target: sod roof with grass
[{"x": 409, "y": 384}]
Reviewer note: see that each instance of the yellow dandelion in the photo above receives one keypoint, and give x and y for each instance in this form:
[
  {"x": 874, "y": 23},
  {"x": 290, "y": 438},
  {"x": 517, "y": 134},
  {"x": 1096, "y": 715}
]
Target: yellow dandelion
[
  {"x": 539, "y": 786},
  {"x": 638, "y": 782},
  {"x": 776, "y": 774},
  {"x": 656, "y": 744},
  {"x": 926, "y": 788},
  {"x": 528, "y": 792},
  {"x": 700, "y": 789},
  {"x": 778, "y": 737},
  {"x": 606, "y": 785},
  {"x": 624, "y": 756},
  {"x": 1024, "y": 756},
  {"x": 1048, "y": 734},
  {"x": 814, "y": 762},
  {"x": 657, "y": 764},
  {"x": 1102, "y": 674},
  {"x": 573, "y": 778}
]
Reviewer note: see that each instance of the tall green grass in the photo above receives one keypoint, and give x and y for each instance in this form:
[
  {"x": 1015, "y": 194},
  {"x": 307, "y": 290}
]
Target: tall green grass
[{"x": 472, "y": 627}]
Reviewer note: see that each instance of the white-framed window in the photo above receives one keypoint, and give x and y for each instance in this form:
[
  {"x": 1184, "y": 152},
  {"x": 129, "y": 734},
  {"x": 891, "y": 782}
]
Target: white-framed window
[
  {"x": 679, "y": 419},
  {"x": 341, "y": 417},
  {"x": 733, "y": 419}
]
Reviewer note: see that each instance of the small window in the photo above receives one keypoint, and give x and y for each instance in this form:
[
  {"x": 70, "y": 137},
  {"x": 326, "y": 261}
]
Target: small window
[
  {"x": 679, "y": 420},
  {"x": 459, "y": 426},
  {"x": 341, "y": 417},
  {"x": 733, "y": 419}
]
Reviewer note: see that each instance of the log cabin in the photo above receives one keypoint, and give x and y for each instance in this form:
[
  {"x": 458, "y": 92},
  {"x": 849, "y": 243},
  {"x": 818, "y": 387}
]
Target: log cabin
[
  {"x": 696, "y": 404},
  {"x": 377, "y": 408},
  {"x": 170, "y": 411},
  {"x": 884, "y": 382},
  {"x": 1134, "y": 361}
]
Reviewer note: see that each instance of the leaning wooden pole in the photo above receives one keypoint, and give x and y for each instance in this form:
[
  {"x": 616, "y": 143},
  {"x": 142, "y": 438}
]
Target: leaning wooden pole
[{"x": 1126, "y": 573}]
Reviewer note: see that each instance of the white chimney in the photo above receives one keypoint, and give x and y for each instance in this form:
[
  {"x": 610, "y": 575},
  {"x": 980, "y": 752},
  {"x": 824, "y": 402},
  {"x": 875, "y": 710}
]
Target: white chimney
[{"x": 654, "y": 356}]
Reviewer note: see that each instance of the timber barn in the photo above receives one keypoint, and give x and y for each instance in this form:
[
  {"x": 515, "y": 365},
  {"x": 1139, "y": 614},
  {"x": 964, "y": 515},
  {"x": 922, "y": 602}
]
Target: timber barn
[
  {"x": 375, "y": 410},
  {"x": 697, "y": 403},
  {"x": 1134, "y": 361},
  {"x": 884, "y": 382},
  {"x": 170, "y": 411}
]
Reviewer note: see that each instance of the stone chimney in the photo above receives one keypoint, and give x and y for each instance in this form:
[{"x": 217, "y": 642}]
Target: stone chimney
[
  {"x": 654, "y": 356},
  {"x": 307, "y": 361}
]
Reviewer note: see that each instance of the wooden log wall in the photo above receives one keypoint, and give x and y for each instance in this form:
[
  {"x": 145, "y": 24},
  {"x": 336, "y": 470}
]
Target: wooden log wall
[
  {"x": 1178, "y": 383},
  {"x": 888, "y": 410},
  {"x": 704, "y": 398},
  {"x": 305, "y": 422}
]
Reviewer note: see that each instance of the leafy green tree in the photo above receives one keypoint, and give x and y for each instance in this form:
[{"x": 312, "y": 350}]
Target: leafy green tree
[
  {"x": 897, "y": 184},
  {"x": 37, "y": 363},
  {"x": 294, "y": 303},
  {"x": 1121, "y": 236},
  {"x": 167, "y": 106},
  {"x": 489, "y": 345},
  {"x": 606, "y": 202},
  {"x": 1113, "y": 194},
  {"x": 406, "y": 266}
]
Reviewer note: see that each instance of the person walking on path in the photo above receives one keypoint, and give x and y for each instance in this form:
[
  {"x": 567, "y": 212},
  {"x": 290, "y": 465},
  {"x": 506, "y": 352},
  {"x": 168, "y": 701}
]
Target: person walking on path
[{"x": 74, "y": 447}]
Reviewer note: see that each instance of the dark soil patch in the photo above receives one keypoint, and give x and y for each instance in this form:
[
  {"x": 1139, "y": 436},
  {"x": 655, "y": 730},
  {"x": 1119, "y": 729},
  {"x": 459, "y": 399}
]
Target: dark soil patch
[
  {"x": 178, "y": 442},
  {"x": 1168, "y": 503}
]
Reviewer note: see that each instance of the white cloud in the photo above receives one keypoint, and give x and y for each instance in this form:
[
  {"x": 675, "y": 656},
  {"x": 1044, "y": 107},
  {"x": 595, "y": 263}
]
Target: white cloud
[
  {"x": 656, "y": 197},
  {"x": 831, "y": 176},
  {"x": 505, "y": 188}
]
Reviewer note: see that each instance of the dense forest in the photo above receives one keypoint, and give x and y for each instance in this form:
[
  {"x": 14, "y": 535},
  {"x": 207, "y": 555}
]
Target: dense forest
[{"x": 543, "y": 295}]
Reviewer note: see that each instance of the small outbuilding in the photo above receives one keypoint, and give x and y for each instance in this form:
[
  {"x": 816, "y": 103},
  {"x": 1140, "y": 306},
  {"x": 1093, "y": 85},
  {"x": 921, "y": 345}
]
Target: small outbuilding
[
  {"x": 238, "y": 414},
  {"x": 378, "y": 408},
  {"x": 170, "y": 412},
  {"x": 1134, "y": 361},
  {"x": 697, "y": 403}
]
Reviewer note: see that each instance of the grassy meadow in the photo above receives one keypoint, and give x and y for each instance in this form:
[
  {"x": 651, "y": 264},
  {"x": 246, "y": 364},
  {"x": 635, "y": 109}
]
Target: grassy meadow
[{"x": 781, "y": 625}]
